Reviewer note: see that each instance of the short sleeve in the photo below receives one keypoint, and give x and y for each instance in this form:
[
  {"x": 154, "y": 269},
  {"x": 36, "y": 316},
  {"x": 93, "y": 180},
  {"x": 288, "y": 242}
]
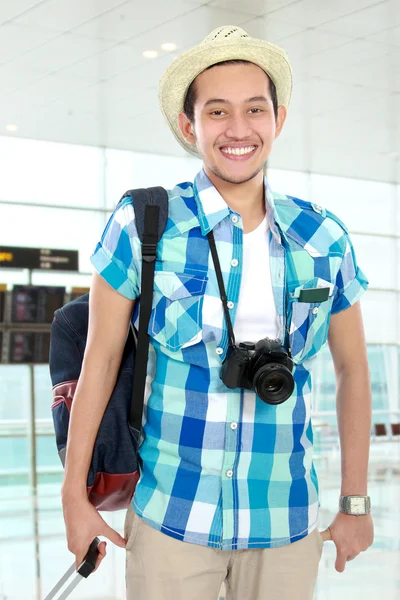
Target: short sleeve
[
  {"x": 351, "y": 282},
  {"x": 115, "y": 257}
]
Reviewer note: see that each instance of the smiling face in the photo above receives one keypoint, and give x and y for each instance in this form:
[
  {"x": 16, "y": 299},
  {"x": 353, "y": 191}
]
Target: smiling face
[{"x": 234, "y": 124}]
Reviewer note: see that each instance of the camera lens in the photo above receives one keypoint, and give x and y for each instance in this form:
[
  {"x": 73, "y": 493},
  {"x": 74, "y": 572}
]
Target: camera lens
[{"x": 273, "y": 383}]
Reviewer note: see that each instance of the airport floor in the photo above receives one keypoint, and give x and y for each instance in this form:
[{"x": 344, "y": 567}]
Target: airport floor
[{"x": 33, "y": 553}]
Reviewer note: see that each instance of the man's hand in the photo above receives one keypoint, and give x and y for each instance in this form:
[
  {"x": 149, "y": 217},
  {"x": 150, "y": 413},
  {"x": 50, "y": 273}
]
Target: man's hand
[
  {"x": 351, "y": 536},
  {"x": 83, "y": 523}
]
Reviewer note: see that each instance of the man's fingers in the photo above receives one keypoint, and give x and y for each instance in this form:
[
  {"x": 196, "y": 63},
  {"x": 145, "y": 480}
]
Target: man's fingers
[
  {"x": 102, "y": 553},
  {"x": 340, "y": 563},
  {"x": 326, "y": 535},
  {"x": 109, "y": 533},
  {"x": 102, "y": 549},
  {"x": 349, "y": 558},
  {"x": 113, "y": 536}
]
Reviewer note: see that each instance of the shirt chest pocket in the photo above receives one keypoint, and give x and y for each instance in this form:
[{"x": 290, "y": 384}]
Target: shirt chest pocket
[
  {"x": 309, "y": 321},
  {"x": 176, "y": 318}
]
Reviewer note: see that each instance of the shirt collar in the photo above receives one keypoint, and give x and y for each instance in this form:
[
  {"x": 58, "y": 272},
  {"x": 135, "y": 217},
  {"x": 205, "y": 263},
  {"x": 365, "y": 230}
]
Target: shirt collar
[{"x": 212, "y": 208}]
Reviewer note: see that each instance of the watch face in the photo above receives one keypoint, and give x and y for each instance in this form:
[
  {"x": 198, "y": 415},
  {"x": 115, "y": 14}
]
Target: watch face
[{"x": 357, "y": 506}]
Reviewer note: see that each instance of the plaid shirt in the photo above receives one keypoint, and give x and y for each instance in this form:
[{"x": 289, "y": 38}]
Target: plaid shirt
[{"x": 220, "y": 467}]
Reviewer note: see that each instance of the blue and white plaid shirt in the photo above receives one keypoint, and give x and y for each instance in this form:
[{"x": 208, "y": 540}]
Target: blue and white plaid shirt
[{"x": 221, "y": 468}]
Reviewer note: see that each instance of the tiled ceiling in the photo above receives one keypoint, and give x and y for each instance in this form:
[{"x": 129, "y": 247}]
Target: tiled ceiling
[{"x": 73, "y": 71}]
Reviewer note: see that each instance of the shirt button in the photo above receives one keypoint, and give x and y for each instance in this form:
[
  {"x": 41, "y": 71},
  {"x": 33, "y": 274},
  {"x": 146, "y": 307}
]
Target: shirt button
[
  {"x": 230, "y": 304},
  {"x": 219, "y": 350},
  {"x": 315, "y": 311},
  {"x": 229, "y": 473},
  {"x": 234, "y": 262},
  {"x": 234, "y": 426},
  {"x": 235, "y": 219}
]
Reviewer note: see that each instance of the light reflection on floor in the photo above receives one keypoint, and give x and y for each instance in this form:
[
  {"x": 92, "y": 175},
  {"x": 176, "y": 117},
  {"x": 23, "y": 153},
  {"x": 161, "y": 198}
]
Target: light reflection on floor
[{"x": 373, "y": 574}]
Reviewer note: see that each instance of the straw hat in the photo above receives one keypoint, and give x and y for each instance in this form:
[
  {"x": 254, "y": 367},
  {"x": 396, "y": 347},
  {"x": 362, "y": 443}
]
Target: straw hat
[{"x": 224, "y": 43}]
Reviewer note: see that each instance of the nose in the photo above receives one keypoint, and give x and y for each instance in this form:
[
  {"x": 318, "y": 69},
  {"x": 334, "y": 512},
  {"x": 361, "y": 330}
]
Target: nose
[{"x": 238, "y": 127}]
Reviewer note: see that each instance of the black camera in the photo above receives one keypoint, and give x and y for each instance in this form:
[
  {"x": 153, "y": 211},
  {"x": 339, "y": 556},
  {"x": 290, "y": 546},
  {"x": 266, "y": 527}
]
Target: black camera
[{"x": 264, "y": 367}]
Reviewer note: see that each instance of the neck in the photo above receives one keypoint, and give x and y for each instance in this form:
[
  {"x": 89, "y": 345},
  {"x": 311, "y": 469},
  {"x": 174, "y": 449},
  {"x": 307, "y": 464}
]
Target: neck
[{"x": 247, "y": 199}]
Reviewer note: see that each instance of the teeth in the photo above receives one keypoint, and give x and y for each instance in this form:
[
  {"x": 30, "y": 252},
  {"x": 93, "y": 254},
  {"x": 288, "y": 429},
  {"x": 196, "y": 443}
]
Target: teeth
[{"x": 238, "y": 151}]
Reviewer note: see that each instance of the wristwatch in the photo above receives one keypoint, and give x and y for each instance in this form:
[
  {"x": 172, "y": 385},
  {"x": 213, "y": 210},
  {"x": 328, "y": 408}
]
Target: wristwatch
[{"x": 355, "y": 505}]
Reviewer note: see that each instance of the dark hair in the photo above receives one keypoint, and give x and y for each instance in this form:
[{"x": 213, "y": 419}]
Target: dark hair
[{"x": 190, "y": 99}]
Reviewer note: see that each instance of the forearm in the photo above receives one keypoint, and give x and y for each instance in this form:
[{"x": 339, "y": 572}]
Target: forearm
[
  {"x": 93, "y": 392},
  {"x": 354, "y": 410}
]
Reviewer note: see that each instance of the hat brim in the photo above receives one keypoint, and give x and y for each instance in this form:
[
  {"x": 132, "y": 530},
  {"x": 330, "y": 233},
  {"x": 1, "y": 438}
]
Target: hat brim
[{"x": 176, "y": 80}]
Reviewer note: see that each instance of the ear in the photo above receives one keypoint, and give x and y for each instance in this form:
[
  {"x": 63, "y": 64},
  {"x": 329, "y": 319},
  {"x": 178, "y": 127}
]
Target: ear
[
  {"x": 280, "y": 120},
  {"x": 186, "y": 128}
]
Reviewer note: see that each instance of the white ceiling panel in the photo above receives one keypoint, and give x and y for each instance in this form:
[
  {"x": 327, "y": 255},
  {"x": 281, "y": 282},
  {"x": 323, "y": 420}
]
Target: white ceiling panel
[
  {"x": 106, "y": 107},
  {"x": 12, "y": 79},
  {"x": 311, "y": 41},
  {"x": 198, "y": 2},
  {"x": 133, "y": 105},
  {"x": 327, "y": 95},
  {"x": 133, "y": 18},
  {"x": 342, "y": 56},
  {"x": 381, "y": 73},
  {"x": 16, "y": 40},
  {"x": 187, "y": 30},
  {"x": 106, "y": 64},
  {"x": 86, "y": 127},
  {"x": 310, "y": 13},
  {"x": 62, "y": 51},
  {"x": 146, "y": 74},
  {"x": 87, "y": 100},
  {"x": 390, "y": 36},
  {"x": 270, "y": 29},
  {"x": 10, "y": 10},
  {"x": 61, "y": 15},
  {"x": 376, "y": 112},
  {"x": 254, "y": 7},
  {"x": 366, "y": 22},
  {"x": 42, "y": 90}
]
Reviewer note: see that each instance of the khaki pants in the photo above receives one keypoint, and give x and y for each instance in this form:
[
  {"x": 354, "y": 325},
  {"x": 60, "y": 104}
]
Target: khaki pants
[{"x": 159, "y": 567}]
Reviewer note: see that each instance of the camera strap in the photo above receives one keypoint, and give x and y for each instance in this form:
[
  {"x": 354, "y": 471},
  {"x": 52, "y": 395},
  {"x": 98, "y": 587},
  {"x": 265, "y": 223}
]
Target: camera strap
[{"x": 221, "y": 287}]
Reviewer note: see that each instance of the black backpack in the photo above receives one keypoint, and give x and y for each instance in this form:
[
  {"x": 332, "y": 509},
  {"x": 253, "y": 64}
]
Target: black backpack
[{"x": 113, "y": 471}]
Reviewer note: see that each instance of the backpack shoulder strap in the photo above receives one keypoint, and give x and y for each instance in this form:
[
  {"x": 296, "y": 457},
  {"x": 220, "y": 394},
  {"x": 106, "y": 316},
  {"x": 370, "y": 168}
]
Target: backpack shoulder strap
[
  {"x": 154, "y": 196},
  {"x": 151, "y": 214}
]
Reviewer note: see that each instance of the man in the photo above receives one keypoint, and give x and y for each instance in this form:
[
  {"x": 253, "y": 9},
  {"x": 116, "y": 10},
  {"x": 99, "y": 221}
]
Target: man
[{"x": 228, "y": 491}]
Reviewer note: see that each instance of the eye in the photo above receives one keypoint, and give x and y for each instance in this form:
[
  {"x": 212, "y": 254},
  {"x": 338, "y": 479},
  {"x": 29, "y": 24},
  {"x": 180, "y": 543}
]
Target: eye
[
  {"x": 217, "y": 113},
  {"x": 255, "y": 110}
]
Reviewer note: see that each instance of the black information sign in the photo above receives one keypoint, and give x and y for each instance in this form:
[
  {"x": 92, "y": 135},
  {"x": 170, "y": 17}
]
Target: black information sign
[
  {"x": 29, "y": 347},
  {"x": 38, "y": 258},
  {"x": 34, "y": 303}
]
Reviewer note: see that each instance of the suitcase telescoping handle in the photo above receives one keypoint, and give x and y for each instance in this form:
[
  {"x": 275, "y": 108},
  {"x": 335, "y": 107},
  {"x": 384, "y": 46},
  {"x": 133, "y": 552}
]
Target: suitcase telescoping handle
[
  {"x": 89, "y": 562},
  {"x": 85, "y": 569}
]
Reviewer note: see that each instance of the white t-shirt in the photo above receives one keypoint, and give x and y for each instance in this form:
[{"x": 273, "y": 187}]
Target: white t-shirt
[{"x": 256, "y": 315}]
